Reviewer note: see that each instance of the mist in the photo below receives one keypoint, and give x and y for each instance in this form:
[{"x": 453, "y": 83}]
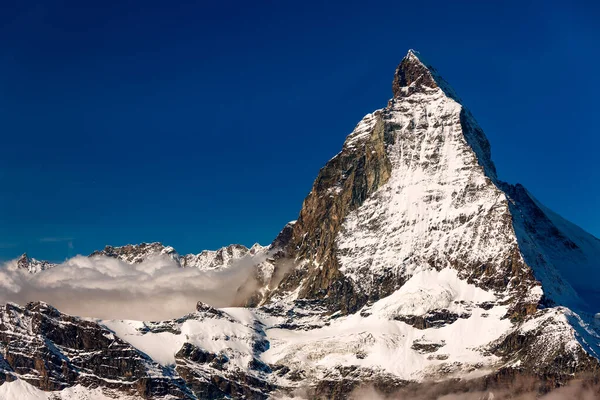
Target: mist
[
  {"x": 108, "y": 288},
  {"x": 520, "y": 388}
]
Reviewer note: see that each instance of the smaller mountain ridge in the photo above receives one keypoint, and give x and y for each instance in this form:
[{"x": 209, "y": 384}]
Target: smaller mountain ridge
[
  {"x": 138, "y": 253},
  {"x": 32, "y": 265}
]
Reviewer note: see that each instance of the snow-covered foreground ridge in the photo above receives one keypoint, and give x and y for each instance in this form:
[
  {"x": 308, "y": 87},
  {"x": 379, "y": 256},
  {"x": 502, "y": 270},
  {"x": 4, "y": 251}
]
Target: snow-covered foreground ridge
[{"x": 410, "y": 261}]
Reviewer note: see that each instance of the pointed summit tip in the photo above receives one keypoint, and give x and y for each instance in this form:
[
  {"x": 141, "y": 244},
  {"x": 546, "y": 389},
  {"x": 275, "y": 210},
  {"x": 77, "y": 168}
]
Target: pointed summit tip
[
  {"x": 414, "y": 75},
  {"x": 412, "y": 53}
]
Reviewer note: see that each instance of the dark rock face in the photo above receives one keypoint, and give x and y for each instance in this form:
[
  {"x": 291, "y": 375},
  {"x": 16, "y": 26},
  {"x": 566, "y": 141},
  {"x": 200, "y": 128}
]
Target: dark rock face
[
  {"x": 426, "y": 347},
  {"x": 23, "y": 261},
  {"x": 210, "y": 375},
  {"x": 51, "y": 351},
  {"x": 412, "y": 76},
  {"x": 343, "y": 381},
  {"x": 194, "y": 366},
  {"x": 341, "y": 186},
  {"x": 541, "y": 349},
  {"x": 434, "y": 319},
  {"x": 283, "y": 238}
]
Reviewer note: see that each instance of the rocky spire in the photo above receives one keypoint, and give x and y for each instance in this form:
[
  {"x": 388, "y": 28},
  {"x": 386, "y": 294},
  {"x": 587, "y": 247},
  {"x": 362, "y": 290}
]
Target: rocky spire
[
  {"x": 23, "y": 261},
  {"x": 413, "y": 75},
  {"x": 411, "y": 72}
]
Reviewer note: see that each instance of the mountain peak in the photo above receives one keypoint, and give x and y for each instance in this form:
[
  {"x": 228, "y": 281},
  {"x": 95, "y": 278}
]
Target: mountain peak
[
  {"x": 23, "y": 261},
  {"x": 32, "y": 265},
  {"x": 412, "y": 53},
  {"x": 411, "y": 75},
  {"x": 414, "y": 75}
]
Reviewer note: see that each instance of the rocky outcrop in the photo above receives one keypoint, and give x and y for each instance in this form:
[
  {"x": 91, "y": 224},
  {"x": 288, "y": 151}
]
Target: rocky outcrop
[
  {"x": 32, "y": 265},
  {"x": 51, "y": 350},
  {"x": 412, "y": 76},
  {"x": 136, "y": 253}
]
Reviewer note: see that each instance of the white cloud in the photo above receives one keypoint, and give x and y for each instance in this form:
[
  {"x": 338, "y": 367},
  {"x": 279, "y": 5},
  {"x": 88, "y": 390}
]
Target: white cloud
[{"x": 104, "y": 287}]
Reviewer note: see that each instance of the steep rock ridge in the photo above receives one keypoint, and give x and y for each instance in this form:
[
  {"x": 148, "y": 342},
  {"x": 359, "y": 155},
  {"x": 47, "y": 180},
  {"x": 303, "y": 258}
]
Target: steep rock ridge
[
  {"x": 554, "y": 343},
  {"x": 341, "y": 186}
]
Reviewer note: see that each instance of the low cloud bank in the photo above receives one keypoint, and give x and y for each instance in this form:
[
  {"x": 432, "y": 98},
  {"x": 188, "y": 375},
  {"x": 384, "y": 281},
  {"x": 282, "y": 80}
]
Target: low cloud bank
[
  {"x": 107, "y": 288},
  {"x": 519, "y": 389}
]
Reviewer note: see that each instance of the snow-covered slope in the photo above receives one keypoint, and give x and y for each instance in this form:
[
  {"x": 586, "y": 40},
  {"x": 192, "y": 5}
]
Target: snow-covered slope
[
  {"x": 21, "y": 390},
  {"x": 438, "y": 208},
  {"x": 410, "y": 261}
]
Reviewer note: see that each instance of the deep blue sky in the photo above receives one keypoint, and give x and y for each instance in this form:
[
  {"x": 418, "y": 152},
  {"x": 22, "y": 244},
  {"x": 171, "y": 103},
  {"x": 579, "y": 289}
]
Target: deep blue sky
[{"x": 204, "y": 124}]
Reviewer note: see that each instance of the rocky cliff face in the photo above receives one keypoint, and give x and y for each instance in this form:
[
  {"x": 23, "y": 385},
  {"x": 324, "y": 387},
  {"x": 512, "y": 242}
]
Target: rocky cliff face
[
  {"x": 52, "y": 351},
  {"x": 341, "y": 186},
  {"x": 410, "y": 261}
]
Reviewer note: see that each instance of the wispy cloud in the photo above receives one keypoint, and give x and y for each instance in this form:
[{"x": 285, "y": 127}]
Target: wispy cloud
[
  {"x": 52, "y": 239},
  {"x": 8, "y": 245}
]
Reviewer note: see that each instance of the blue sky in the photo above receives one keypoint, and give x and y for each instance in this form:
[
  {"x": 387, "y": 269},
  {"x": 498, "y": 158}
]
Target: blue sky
[{"x": 204, "y": 124}]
